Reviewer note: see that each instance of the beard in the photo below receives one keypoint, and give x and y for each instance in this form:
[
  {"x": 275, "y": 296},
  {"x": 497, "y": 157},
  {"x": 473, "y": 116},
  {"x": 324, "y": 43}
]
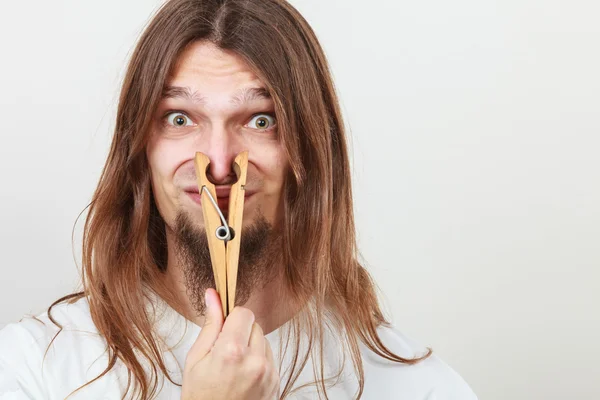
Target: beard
[{"x": 260, "y": 246}]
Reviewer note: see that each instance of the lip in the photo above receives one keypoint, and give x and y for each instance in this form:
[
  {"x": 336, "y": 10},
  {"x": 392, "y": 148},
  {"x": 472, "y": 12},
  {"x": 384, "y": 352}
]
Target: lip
[{"x": 222, "y": 193}]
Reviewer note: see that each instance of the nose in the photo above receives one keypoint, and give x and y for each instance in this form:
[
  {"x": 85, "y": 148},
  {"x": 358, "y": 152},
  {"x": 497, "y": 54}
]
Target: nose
[{"x": 221, "y": 149}]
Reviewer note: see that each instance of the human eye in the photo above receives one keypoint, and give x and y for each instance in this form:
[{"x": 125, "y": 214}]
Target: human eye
[
  {"x": 177, "y": 119},
  {"x": 262, "y": 122}
]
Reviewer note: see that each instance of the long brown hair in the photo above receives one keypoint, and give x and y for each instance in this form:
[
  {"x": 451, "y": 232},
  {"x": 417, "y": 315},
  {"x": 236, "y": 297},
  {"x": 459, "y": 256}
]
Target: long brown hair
[{"x": 124, "y": 246}]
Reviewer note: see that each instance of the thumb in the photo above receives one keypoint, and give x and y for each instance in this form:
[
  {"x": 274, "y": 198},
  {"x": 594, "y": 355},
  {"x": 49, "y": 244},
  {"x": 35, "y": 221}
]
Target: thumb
[
  {"x": 213, "y": 323},
  {"x": 213, "y": 314}
]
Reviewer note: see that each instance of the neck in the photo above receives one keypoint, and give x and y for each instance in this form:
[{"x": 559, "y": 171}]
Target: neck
[{"x": 268, "y": 304}]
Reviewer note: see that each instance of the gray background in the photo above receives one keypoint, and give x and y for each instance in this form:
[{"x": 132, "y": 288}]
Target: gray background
[{"x": 475, "y": 137}]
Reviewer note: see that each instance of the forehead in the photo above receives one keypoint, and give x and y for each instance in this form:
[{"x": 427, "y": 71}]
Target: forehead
[{"x": 210, "y": 70}]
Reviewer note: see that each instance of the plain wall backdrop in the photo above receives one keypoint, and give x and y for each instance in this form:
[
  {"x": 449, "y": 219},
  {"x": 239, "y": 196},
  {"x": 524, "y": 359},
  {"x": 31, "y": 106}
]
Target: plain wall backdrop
[{"x": 475, "y": 129}]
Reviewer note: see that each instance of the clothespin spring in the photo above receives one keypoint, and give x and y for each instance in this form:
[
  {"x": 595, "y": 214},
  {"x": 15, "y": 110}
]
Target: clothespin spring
[{"x": 224, "y": 232}]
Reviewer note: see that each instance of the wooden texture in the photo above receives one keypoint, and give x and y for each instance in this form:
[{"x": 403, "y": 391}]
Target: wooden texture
[
  {"x": 224, "y": 256},
  {"x": 211, "y": 223},
  {"x": 236, "y": 214}
]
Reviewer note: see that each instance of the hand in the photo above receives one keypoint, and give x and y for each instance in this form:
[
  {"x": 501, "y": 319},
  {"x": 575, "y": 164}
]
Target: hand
[{"x": 230, "y": 360}]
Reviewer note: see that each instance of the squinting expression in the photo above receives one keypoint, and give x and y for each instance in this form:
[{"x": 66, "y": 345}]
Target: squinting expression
[{"x": 215, "y": 104}]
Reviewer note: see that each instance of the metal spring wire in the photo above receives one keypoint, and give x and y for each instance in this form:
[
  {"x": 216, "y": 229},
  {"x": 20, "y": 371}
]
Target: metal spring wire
[{"x": 223, "y": 232}]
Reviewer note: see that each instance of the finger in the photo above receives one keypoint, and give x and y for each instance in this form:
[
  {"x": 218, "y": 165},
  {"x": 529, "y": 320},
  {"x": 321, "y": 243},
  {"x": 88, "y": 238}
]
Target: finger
[
  {"x": 213, "y": 323},
  {"x": 257, "y": 340},
  {"x": 238, "y": 326}
]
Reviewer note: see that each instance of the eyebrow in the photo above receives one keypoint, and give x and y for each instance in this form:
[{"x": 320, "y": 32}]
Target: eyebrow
[
  {"x": 171, "y": 92},
  {"x": 243, "y": 96},
  {"x": 248, "y": 95}
]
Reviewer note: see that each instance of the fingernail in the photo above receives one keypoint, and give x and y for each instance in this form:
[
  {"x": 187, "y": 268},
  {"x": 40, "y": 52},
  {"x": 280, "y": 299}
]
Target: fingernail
[{"x": 206, "y": 298}]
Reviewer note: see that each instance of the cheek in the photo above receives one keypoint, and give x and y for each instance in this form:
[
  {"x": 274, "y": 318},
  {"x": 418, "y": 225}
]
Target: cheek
[
  {"x": 163, "y": 159},
  {"x": 274, "y": 165}
]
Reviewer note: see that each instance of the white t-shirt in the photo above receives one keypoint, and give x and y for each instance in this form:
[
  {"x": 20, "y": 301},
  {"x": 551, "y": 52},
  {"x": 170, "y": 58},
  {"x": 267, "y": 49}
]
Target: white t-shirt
[{"x": 78, "y": 355}]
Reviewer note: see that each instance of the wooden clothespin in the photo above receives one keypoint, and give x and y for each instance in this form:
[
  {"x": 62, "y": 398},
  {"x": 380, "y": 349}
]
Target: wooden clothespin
[{"x": 223, "y": 235}]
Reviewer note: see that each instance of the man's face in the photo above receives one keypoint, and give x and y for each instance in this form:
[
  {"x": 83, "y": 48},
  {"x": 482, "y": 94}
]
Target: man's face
[{"x": 216, "y": 105}]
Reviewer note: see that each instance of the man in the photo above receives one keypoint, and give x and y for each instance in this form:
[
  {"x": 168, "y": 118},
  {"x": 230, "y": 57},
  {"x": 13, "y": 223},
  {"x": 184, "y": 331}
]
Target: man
[{"x": 221, "y": 77}]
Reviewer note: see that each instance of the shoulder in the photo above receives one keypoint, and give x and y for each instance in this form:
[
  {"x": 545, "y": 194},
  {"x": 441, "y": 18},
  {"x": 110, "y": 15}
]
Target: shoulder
[
  {"x": 36, "y": 333},
  {"x": 36, "y": 354},
  {"x": 428, "y": 379}
]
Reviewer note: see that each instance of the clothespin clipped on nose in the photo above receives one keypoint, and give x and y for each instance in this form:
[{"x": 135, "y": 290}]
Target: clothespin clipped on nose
[{"x": 223, "y": 234}]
